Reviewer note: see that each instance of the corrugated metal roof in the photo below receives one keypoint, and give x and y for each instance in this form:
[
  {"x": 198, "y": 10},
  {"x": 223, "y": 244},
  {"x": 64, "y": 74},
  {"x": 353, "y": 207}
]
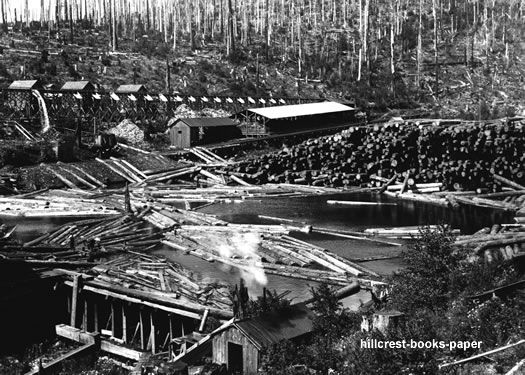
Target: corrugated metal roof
[
  {"x": 273, "y": 328},
  {"x": 129, "y": 89},
  {"x": 77, "y": 86},
  {"x": 205, "y": 122},
  {"x": 24, "y": 85},
  {"x": 298, "y": 110}
]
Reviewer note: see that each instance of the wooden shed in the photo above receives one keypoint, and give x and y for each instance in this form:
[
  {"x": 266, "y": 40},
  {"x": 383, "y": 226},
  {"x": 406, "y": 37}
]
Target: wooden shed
[
  {"x": 188, "y": 132},
  {"x": 239, "y": 344}
]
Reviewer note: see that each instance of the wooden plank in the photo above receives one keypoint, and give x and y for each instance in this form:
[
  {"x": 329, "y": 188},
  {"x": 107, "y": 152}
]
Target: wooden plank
[
  {"x": 121, "y": 351},
  {"x": 126, "y": 298},
  {"x": 203, "y": 321},
  {"x": 56, "y": 364}
]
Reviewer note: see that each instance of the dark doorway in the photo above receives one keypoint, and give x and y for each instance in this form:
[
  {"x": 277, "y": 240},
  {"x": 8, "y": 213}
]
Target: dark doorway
[{"x": 234, "y": 358}]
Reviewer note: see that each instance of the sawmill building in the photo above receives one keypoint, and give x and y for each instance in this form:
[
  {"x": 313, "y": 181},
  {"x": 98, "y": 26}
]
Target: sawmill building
[
  {"x": 188, "y": 132},
  {"x": 299, "y": 117},
  {"x": 239, "y": 344}
]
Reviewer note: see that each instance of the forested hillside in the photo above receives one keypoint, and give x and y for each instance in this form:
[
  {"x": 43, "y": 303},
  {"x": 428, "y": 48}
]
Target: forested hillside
[{"x": 455, "y": 57}]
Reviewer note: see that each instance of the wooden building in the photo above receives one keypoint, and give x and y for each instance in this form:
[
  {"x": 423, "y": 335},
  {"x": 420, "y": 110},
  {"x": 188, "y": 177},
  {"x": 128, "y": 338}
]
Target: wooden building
[
  {"x": 78, "y": 86},
  {"x": 82, "y": 100},
  {"x": 134, "y": 97},
  {"x": 299, "y": 117},
  {"x": 239, "y": 344},
  {"x": 19, "y": 97},
  {"x": 25, "y": 85},
  {"x": 131, "y": 89},
  {"x": 188, "y": 132}
]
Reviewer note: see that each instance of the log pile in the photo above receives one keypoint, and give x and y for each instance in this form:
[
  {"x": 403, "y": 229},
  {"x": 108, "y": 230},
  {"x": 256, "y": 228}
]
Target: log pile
[
  {"x": 64, "y": 203},
  {"x": 96, "y": 236},
  {"x": 499, "y": 242},
  {"x": 168, "y": 194},
  {"x": 403, "y": 232},
  {"x": 265, "y": 247},
  {"x": 461, "y": 156},
  {"x": 155, "y": 274}
]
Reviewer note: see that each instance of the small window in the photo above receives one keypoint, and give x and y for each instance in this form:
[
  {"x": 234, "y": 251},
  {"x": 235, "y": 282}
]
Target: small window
[{"x": 180, "y": 132}]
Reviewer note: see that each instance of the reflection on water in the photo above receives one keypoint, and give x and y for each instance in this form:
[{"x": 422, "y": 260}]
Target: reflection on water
[{"x": 316, "y": 212}]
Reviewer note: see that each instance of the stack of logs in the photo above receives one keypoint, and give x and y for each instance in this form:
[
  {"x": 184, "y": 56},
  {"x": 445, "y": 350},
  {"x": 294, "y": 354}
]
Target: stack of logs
[
  {"x": 499, "y": 242},
  {"x": 461, "y": 156},
  {"x": 266, "y": 247},
  {"x": 83, "y": 242},
  {"x": 150, "y": 273}
]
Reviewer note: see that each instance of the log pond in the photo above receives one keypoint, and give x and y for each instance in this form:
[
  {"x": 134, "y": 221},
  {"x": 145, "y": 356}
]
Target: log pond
[{"x": 316, "y": 212}]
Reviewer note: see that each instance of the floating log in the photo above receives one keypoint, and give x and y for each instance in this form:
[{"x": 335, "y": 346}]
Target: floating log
[
  {"x": 360, "y": 203},
  {"x": 353, "y": 237}
]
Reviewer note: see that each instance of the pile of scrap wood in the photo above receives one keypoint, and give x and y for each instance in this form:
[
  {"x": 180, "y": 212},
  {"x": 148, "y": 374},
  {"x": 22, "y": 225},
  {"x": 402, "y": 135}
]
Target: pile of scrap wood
[
  {"x": 150, "y": 273},
  {"x": 501, "y": 241}
]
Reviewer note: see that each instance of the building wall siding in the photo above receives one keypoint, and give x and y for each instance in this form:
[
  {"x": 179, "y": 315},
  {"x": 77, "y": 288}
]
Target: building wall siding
[
  {"x": 249, "y": 351},
  {"x": 183, "y": 139}
]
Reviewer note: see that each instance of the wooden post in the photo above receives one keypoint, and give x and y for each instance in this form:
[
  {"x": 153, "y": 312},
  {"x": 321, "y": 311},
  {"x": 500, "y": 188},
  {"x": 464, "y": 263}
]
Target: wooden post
[
  {"x": 152, "y": 333},
  {"x": 142, "y": 333},
  {"x": 124, "y": 325},
  {"x": 171, "y": 337},
  {"x": 85, "y": 316},
  {"x": 112, "y": 319},
  {"x": 95, "y": 316},
  {"x": 74, "y": 300}
]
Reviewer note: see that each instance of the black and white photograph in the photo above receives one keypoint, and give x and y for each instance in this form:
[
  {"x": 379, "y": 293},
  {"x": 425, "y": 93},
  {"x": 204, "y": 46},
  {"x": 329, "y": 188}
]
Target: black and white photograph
[{"x": 262, "y": 187}]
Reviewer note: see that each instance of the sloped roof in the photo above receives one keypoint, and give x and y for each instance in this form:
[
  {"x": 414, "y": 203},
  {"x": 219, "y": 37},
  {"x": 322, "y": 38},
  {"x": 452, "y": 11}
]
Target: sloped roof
[
  {"x": 270, "y": 329},
  {"x": 77, "y": 86},
  {"x": 298, "y": 110},
  {"x": 24, "y": 85},
  {"x": 130, "y": 89},
  {"x": 205, "y": 122}
]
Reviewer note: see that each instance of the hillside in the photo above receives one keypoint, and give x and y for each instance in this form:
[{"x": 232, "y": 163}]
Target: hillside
[{"x": 446, "y": 61}]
